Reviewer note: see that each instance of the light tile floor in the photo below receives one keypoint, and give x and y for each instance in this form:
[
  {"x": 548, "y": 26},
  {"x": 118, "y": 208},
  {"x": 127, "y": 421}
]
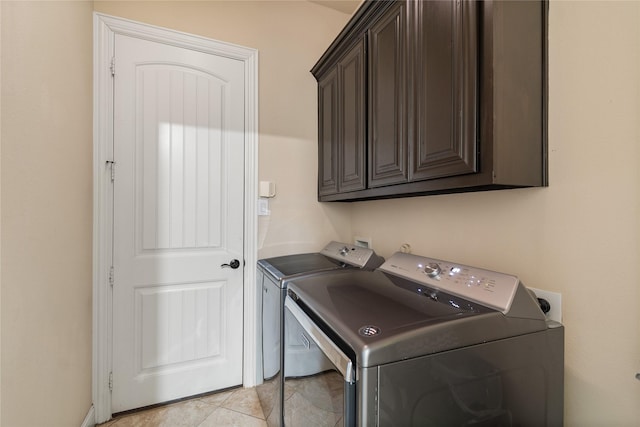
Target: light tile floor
[{"x": 237, "y": 407}]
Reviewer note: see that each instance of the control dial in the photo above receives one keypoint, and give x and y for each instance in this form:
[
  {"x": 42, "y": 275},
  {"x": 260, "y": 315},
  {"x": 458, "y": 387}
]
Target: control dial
[
  {"x": 344, "y": 251},
  {"x": 432, "y": 270}
]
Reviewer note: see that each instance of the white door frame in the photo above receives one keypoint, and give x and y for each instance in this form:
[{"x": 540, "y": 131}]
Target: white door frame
[{"x": 105, "y": 27}]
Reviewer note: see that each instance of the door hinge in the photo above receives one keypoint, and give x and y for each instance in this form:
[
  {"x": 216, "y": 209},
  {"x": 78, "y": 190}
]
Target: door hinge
[
  {"x": 113, "y": 66},
  {"x": 111, "y": 273},
  {"x": 112, "y": 164},
  {"x": 110, "y": 381}
]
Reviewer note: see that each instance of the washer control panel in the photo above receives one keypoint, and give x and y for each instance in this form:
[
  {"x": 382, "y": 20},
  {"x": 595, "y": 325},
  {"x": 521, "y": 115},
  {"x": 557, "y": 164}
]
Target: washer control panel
[
  {"x": 489, "y": 288},
  {"x": 351, "y": 254}
]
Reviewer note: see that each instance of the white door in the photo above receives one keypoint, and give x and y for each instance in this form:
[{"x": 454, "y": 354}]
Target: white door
[{"x": 178, "y": 217}]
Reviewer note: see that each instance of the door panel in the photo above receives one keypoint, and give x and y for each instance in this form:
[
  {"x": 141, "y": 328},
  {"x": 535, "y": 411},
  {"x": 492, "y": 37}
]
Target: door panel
[
  {"x": 445, "y": 49},
  {"x": 342, "y": 126},
  {"x": 328, "y": 134},
  {"x": 176, "y": 325},
  {"x": 180, "y": 209},
  {"x": 387, "y": 100},
  {"x": 178, "y": 216},
  {"x": 352, "y": 79}
]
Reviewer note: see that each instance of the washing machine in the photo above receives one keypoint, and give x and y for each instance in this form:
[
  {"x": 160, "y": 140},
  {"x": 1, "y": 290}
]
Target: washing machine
[
  {"x": 425, "y": 342},
  {"x": 303, "y": 355}
]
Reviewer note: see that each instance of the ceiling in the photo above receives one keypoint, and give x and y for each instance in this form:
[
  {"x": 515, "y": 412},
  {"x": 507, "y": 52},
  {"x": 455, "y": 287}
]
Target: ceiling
[{"x": 344, "y": 6}]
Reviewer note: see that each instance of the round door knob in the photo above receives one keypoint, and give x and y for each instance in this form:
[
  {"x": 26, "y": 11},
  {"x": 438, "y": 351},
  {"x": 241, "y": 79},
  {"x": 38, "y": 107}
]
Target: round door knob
[{"x": 233, "y": 264}]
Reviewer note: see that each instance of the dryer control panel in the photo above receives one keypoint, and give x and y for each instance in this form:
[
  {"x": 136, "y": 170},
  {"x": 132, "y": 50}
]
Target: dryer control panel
[{"x": 489, "y": 288}]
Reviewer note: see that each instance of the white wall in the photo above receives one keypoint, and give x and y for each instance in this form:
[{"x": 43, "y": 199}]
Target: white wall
[{"x": 580, "y": 235}]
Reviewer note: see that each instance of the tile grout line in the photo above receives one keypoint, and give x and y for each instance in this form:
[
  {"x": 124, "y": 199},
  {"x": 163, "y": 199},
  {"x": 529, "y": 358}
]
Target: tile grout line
[{"x": 202, "y": 400}]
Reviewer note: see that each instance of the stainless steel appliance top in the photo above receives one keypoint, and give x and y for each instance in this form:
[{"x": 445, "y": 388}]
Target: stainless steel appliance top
[
  {"x": 334, "y": 256},
  {"x": 412, "y": 306}
]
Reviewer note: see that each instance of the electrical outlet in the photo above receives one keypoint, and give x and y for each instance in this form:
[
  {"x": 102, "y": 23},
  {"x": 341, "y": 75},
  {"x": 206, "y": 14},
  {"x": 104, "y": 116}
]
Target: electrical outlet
[{"x": 555, "y": 301}]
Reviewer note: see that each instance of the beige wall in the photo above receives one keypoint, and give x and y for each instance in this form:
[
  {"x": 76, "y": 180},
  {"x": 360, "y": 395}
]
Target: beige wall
[
  {"x": 290, "y": 37},
  {"x": 47, "y": 177},
  {"x": 46, "y": 213},
  {"x": 580, "y": 235},
  {"x": 0, "y": 219}
]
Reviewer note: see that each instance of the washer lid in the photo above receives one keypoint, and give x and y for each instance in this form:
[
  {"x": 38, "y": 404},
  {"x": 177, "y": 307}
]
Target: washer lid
[
  {"x": 286, "y": 266},
  {"x": 382, "y": 318}
]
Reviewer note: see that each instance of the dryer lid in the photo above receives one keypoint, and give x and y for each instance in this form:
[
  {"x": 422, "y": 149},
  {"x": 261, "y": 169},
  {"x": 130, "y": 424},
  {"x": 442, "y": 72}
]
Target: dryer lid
[{"x": 381, "y": 318}]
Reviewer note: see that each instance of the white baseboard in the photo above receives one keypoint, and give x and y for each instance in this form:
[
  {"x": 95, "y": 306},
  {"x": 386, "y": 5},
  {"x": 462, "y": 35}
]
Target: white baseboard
[{"x": 90, "y": 419}]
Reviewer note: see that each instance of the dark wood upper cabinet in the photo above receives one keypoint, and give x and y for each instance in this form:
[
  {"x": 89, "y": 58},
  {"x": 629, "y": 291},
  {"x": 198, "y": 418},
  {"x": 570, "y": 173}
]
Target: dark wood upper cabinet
[
  {"x": 388, "y": 112},
  {"x": 444, "y": 80},
  {"x": 328, "y": 133},
  {"x": 352, "y": 126},
  {"x": 342, "y": 124},
  {"x": 428, "y": 97}
]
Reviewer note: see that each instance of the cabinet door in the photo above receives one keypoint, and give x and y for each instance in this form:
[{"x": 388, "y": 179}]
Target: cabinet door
[
  {"x": 387, "y": 98},
  {"x": 351, "y": 144},
  {"x": 328, "y": 133},
  {"x": 444, "y": 48}
]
